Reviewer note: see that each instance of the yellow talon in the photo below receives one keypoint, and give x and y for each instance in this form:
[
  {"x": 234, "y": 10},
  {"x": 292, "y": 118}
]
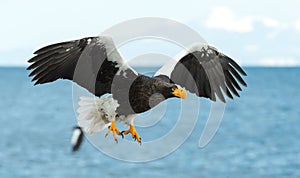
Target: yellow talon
[
  {"x": 113, "y": 128},
  {"x": 133, "y": 132}
]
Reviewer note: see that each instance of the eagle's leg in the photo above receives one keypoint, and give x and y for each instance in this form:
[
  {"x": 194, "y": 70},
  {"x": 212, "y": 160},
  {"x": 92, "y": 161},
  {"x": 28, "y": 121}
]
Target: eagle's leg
[
  {"x": 113, "y": 128},
  {"x": 133, "y": 132}
]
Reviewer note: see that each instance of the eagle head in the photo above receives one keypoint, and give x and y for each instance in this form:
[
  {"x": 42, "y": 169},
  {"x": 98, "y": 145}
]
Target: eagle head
[{"x": 171, "y": 90}]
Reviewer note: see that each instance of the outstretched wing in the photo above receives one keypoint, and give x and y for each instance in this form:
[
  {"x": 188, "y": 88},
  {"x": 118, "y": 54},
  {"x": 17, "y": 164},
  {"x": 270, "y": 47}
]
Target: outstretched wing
[
  {"x": 206, "y": 72},
  {"x": 91, "y": 62}
]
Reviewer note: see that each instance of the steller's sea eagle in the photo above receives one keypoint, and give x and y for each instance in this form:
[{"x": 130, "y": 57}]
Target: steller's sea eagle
[{"x": 121, "y": 93}]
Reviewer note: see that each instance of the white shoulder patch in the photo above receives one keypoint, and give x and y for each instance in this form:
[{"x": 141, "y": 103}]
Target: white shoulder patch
[
  {"x": 89, "y": 41},
  {"x": 111, "y": 49},
  {"x": 114, "y": 55},
  {"x": 170, "y": 65}
]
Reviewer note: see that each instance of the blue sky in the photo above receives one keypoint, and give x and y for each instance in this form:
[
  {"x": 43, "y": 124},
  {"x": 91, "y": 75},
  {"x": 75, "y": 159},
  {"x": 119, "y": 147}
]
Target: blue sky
[{"x": 252, "y": 32}]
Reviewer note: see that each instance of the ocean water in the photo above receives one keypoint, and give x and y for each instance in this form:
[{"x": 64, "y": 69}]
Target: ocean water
[{"x": 258, "y": 137}]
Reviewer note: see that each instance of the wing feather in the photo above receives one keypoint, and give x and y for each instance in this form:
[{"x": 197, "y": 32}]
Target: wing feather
[
  {"x": 208, "y": 73},
  {"x": 91, "y": 62}
]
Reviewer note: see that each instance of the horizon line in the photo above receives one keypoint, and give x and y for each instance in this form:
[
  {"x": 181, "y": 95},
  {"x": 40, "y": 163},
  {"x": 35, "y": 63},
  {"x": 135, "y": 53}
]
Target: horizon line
[{"x": 156, "y": 66}]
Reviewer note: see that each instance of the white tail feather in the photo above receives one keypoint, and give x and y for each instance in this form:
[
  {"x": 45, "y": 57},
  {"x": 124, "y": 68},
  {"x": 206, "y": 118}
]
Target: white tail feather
[{"x": 95, "y": 113}]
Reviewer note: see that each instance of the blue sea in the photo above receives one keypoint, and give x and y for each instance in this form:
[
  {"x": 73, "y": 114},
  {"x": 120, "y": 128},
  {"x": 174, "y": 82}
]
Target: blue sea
[{"x": 258, "y": 137}]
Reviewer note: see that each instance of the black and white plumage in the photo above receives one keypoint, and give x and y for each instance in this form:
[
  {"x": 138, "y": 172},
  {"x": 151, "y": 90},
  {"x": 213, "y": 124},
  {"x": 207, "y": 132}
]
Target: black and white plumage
[
  {"x": 203, "y": 70},
  {"x": 90, "y": 62},
  {"x": 77, "y": 138},
  {"x": 95, "y": 64}
]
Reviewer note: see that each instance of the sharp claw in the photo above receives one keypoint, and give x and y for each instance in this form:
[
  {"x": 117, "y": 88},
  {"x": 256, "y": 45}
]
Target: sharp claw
[
  {"x": 133, "y": 133},
  {"x": 112, "y": 128}
]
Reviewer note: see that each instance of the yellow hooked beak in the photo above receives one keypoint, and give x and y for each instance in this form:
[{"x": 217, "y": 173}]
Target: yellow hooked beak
[{"x": 180, "y": 93}]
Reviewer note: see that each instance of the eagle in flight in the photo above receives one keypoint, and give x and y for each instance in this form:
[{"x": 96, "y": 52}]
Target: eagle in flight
[{"x": 120, "y": 92}]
